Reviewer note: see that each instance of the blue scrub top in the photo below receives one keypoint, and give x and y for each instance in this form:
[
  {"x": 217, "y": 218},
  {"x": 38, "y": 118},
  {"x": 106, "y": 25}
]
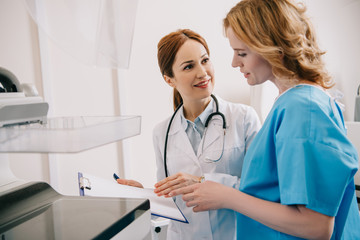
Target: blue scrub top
[{"x": 301, "y": 155}]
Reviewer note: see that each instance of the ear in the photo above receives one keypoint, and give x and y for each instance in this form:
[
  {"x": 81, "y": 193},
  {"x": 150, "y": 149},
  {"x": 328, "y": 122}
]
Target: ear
[
  {"x": 281, "y": 54},
  {"x": 169, "y": 81}
]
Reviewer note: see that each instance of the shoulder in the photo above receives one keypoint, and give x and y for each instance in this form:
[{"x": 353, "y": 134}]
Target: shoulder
[
  {"x": 161, "y": 127},
  {"x": 237, "y": 110},
  {"x": 305, "y": 111},
  {"x": 294, "y": 96},
  {"x": 304, "y": 99},
  {"x": 233, "y": 107}
]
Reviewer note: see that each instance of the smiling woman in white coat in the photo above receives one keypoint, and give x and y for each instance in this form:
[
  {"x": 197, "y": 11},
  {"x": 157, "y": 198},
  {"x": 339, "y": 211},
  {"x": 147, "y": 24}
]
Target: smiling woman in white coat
[
  {"x": 205, "y": 139},
  {"x": 195, "y": 153}
]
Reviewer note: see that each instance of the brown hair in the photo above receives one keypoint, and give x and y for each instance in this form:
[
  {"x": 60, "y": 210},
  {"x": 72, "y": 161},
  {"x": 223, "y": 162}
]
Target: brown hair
[
  {"x": 281, "y": 33},
  {"x": 168, "y": 47}
]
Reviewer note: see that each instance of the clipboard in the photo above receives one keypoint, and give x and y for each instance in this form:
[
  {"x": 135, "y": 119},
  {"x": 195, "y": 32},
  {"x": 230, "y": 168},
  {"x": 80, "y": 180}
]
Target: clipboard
[{"x": 99, "y": 187}]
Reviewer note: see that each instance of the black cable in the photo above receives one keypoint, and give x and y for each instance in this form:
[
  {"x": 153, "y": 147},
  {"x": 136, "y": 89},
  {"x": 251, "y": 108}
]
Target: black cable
[
  {"x": 206, "y": 124},
  {"x": 166, "y": 138}
]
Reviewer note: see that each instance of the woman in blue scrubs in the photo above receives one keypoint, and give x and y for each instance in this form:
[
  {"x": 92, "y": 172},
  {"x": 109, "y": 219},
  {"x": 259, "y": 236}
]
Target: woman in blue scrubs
[{"x": 298, "y": 175}]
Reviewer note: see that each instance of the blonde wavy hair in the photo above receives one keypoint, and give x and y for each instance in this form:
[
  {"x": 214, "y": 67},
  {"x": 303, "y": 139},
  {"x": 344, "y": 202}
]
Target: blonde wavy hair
[{"x": 281, "y": 33}]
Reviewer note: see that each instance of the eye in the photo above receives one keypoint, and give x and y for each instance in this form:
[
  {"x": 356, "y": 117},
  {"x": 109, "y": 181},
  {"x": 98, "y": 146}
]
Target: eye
[
  {"x": 205, "y": 60},
  {"x": 189, "y": 66},
  {"x": 242, "y": 54}
]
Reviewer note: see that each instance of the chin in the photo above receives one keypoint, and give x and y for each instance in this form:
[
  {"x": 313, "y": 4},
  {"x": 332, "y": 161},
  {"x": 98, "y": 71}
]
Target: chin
[
  {"x": 206, "y": 95},
  {"x": 251, "y": 83}
]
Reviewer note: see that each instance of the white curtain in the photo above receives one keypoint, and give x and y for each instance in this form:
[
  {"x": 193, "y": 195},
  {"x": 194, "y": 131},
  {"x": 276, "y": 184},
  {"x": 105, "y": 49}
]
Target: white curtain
[{"x": 96, "y": 32}]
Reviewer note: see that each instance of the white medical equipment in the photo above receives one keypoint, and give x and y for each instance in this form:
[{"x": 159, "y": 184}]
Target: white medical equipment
[
  {"x": 207, "y": 159},
  {"x": 19, "y": 104},
  {"x": 357, "y": 106},
  {"x": 35, "y": 209}
]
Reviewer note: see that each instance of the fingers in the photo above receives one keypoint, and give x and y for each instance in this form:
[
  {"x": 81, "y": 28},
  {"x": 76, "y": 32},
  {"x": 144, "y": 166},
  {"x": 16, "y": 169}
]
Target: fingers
[
  {"x": 165, "y": 180},
  {"x": 196, "y": 203},
  {"x": 191, "y": 197},
  {"x": 131, "y": 183},
  {"x": 135, "y": 184},
  {"x": 199, "y": 208},
  {"x": 165, "y": 186},
  {"x": 170, "y": 183},
  {"x": 122, "y": 181},
  {"x": 184, "y": 191}
]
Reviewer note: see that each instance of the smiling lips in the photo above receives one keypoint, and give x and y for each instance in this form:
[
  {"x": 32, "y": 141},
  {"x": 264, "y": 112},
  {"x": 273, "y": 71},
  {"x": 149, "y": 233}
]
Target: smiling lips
[
  {"x": 202, "y": 84},
  {"x": 246, "y": 75}
]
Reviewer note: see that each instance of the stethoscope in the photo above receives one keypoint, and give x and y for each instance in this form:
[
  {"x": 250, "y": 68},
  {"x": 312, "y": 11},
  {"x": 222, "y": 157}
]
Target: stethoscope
[{"x": 207, "y": 159}]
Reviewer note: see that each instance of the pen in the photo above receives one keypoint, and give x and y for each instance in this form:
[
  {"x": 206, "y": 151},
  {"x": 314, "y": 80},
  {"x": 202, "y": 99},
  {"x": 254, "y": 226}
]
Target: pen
[{"x": 116, "y": 177}]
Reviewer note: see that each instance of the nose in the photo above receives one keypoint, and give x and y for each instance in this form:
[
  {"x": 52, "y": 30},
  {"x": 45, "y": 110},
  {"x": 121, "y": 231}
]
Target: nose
[
  {"x": 236, "y": 61},
  {"x": 202, "y": 71}
]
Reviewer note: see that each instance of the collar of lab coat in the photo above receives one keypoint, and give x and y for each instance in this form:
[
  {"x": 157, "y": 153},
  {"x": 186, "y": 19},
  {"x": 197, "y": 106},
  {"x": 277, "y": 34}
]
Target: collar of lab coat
[
  {"x": 202, "y": 117},
  {"x": 214, "y": 130}
]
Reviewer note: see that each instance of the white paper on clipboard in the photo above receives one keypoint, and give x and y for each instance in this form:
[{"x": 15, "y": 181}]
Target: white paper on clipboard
[{"x": 159, "y": 206}]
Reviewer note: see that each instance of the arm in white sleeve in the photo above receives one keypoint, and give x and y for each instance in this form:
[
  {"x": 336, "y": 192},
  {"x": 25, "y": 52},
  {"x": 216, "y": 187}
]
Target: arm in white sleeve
[
  {"x": 252, "y": 126},
  {"x": 157, "y": 142},
  {"x": 225, "y": 179}
]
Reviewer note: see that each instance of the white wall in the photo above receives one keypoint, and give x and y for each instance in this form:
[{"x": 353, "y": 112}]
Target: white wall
[
  {"x": 75, "y": 89},
  {"x": 336, "y": 23},
  {"x": 19, "y": 54}
]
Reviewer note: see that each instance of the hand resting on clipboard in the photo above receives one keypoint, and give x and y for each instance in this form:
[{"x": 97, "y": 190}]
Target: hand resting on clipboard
[{"x": 159, "y": 206}]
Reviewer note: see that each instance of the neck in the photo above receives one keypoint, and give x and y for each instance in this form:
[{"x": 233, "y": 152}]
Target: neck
[
  {"x": 285, "y": 84},
  {"x": 192, "y": 109}
]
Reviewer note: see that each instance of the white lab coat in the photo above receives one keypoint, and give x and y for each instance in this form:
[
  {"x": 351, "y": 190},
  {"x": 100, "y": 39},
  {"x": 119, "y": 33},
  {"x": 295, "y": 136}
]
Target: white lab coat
[{"x": 242, "y": 126}]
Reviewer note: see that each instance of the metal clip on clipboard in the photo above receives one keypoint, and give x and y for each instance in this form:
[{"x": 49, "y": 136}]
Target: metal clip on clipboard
[{"x": 85, "y": 183}]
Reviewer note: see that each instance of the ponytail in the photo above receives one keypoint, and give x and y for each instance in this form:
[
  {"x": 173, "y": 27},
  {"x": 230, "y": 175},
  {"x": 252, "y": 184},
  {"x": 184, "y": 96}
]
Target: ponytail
[{"x": 177, "y": 99}]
